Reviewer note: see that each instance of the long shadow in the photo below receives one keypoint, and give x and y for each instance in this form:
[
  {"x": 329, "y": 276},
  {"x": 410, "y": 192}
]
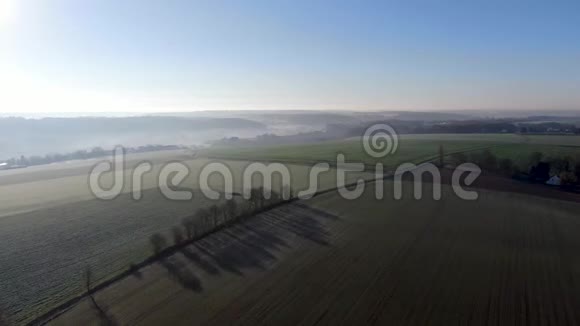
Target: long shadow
[
  {"x": 318, "y": 212},
  {"x": 250, "y": 243},
  {"x": 105, "y": 318},
  {"x": 181, "y": 274},
  {"x": 255, "y": 243},
  {"x": 221, "y": 260},
  {"x": 232, "y": 254},
  {"x": 265, "y": 237},
  {"x": 200, "y": 262},
  {"x": 300, "y": 222}
]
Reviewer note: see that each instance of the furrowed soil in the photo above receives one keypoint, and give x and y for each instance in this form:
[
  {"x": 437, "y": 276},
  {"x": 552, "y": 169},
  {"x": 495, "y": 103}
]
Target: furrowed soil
[{"x": 504, "y": 259}]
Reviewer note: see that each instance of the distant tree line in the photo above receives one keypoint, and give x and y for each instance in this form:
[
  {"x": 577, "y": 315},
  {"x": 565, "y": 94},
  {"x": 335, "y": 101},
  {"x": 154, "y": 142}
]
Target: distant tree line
[
  {"x": 96, "y": 152},
  {"x": 507, "y": 126},
  {"x": 548, "y": 128},
  {"x": 537, "y": 168}
]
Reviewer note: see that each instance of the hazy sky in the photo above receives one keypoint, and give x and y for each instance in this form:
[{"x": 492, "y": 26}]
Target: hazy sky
[{"x": 139, "y": 55}]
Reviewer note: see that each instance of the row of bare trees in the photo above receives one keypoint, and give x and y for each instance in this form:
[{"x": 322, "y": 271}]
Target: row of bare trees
[
  {"x": 202, "y": 222},
  {"x": 208, "y": 219}
]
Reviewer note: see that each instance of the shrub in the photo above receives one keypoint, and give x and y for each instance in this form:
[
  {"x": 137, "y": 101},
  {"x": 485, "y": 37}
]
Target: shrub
[{"x": 560, "y": 164}]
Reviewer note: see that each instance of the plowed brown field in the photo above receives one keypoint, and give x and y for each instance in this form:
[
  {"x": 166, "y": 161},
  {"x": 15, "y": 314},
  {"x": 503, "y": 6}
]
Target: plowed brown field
[{"x": 505, "y": 259}]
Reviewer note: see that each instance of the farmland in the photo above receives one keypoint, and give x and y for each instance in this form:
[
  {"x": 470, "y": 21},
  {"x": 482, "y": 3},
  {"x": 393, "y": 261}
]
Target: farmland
[
  {"x": 498, "y": 260},
  {"x": 52, "y": 236},
  {"x": 409, "y": 150},
  {"x": 52, "y": 227},
  {"x": 412, "y": 148}
]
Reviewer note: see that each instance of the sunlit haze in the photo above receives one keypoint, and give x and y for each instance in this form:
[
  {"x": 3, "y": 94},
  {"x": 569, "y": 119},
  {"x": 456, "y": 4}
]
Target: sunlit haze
[
  {"x": 162, "y": 56},
  {"x": 7, "y": 12}
]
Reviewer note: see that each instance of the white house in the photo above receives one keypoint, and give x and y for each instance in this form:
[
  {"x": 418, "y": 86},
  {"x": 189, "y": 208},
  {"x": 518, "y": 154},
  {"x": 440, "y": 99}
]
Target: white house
[{"x": 554, "y": 181}]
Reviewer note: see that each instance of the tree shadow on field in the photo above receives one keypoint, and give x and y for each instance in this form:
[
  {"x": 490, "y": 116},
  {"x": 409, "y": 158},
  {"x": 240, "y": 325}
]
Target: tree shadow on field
[
  {"x": 179, "y": 272},
  {"x": 200, "y": 262},
  {"x": 103, "y": 314},
  {"x": 317, "y": 212},
  {"x": 255, "y": 243},
  {"x": 302, "y": 221},
  {"x": 134, "y": 270}
]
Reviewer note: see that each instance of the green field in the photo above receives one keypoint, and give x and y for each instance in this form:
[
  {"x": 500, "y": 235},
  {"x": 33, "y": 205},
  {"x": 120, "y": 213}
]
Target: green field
[{"x": 412, "y": 148}]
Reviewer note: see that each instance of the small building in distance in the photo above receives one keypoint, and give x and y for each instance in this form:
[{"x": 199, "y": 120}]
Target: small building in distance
[{"x": 554, "y": 181}]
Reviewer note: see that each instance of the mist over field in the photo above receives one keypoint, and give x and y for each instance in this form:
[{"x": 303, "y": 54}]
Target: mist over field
[{"x": 43, "y": 134}]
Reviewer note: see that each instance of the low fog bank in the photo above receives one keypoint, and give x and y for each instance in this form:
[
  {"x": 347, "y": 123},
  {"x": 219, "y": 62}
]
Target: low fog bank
[
  {"x": 64, "y": 134},
  {"x": 28, "y": 137}
]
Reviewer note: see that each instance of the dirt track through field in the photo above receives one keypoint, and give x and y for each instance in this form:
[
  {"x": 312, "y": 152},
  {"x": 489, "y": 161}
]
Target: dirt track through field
[{"x": 505, "y": 259}]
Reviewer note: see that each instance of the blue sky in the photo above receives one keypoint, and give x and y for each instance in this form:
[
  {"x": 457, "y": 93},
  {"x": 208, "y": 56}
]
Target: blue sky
[{"x": 105, "y": 55}]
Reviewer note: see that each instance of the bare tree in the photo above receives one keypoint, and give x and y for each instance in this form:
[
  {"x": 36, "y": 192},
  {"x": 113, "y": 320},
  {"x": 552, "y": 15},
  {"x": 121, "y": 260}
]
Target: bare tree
[
  {"x": 275, "y": 197},
  {"x": 104, "y": 317},
  {"x": 257, "y": 199},
  {"x": 202, "y": 218},
  {"x": 88, "y": 279},
  {"x": 177, "y": 235},
  {"x": 287, "y": 192},
  {"x": 188, "y": 224},
  {"x": 158, "y": 242},
  {"x": 231, "y": 209},
  {"x": 214, "y": 212},
  {"x": 261, "y": 197}
]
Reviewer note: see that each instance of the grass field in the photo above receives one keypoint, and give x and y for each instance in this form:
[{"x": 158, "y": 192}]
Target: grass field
[
  {"x": 409, "y": 150},
  {"x": 412, "y": 148},
  {"x": 501, "y": 260}
]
